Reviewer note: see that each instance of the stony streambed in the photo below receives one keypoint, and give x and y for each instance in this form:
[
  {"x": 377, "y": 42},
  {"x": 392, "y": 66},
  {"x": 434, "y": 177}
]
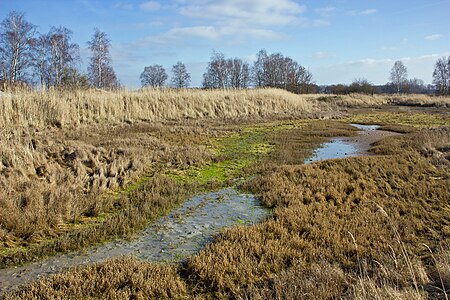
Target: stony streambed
[{"x": 188, "y": 228}]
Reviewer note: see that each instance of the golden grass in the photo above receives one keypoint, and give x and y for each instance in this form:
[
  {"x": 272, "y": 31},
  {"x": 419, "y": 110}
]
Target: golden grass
[{"x": 84, "y": 107}]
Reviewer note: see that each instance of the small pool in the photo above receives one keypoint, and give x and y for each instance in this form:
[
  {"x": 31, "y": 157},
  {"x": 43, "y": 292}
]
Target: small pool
[{"x": 339, "y": 147}]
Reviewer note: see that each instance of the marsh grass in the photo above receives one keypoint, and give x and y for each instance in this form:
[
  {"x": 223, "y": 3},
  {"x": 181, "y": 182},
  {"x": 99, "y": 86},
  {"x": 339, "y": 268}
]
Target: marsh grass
[{"x": 75, "y": 172}]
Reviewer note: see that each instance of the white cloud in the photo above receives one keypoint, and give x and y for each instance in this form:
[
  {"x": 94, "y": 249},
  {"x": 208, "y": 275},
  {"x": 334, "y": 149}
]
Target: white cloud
[
  {"x": 364, "y": 12},
  {"x": 250, "y": 12},
  {"x": 433, "y": 37},
  {"x": 319, "y": 23},
  {"x": 208, "y": 32},
  {"x": 150, "y": 6}
]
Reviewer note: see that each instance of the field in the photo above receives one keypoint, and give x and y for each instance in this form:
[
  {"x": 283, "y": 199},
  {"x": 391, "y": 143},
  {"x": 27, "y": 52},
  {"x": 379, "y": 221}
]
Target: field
[{"x": 82, "y": 168}]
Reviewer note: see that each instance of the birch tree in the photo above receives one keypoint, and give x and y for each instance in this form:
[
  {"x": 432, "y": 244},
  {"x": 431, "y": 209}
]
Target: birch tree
[
  {"x": 399, "y": 75},
  {"x": 441, "y": 76},
  {"x": 16, "y": 39},
  {"x": 100, "y": 71}
]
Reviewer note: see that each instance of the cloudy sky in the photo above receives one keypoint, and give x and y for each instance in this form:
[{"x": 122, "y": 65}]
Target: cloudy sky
[{"x": 338, "y": 40}]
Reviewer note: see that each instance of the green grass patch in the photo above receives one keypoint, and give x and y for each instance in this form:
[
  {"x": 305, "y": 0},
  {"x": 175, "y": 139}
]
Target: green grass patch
[
  {"x": 234, "y": 153},
  {"x": 417, "y": 120}
]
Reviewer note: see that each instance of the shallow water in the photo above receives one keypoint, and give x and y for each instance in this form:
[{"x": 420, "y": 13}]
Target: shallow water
[
  {"x": 340, "y": 147},
  {"x": 183, "y": 232}
]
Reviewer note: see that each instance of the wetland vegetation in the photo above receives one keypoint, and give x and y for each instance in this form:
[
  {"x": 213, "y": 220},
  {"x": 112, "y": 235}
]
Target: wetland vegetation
[{"x": 83, "y": 168}]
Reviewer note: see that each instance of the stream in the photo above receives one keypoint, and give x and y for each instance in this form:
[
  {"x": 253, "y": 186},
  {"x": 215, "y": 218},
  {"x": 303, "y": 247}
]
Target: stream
[{"x": 188, "y": 228}]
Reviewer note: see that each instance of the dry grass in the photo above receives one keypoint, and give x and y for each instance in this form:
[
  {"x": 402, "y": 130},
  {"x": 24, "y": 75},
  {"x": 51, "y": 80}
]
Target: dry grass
[
  {"x": 124, "y": 278},
  {"x": 368, "y": 217},
  {"x": 58, "y": 183},
  {"x": 65, "y": 157},
  {"x": 85, "y": 107}
]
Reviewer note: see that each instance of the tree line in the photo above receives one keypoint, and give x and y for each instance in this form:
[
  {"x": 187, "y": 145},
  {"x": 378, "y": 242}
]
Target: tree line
[{"x": 52, "y": 60}]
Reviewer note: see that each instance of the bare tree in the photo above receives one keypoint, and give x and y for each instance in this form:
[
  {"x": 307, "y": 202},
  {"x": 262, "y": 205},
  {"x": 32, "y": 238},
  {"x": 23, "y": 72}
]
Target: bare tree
[
  {"x": 216, "y": 72},
  {"x": 153, "y": 76},
  {"x": 238, "y": 73},
  {"x": 64, "y": 53},
  {"x": 276, "y": 70},
  {"x": 258, "y": 69},
  {"x": 42, "y": 60},
  {"x": 415, "y": 86},
  {"x": 16, "y": 37},
  {"x": 399, "y": 75},
  {"x": 100, "y": 71},
  {"x": 180, "y": 76},
  {"x": 441, "y": 75}
]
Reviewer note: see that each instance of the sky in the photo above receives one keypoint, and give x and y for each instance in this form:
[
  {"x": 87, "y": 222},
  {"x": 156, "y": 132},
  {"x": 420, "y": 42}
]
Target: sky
[{"x": 337, "y": 40}]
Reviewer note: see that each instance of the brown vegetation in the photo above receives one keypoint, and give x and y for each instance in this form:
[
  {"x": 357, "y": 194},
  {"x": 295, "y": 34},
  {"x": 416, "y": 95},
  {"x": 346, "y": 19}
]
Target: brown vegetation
[
  {"x": 123, "y": 278},
  {"x": 57, "y": 163},
  {"x": 352, "y": 228},
  {"x": 372, "y": 227},
  {"x": 358, "y": 225}
]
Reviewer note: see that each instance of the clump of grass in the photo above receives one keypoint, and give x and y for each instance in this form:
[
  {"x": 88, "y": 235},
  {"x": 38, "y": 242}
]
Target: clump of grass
[{"x": 122, "y": 278}]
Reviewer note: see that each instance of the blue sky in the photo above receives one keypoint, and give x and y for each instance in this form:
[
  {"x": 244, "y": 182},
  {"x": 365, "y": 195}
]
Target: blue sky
[{"x": 337, "y": 40}]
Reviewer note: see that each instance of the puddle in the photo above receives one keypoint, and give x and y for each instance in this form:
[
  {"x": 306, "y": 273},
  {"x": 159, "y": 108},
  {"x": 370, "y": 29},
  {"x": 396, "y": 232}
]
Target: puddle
[
  {"x": 341, "y": 147},
  {"x": 183, "y": 232}
]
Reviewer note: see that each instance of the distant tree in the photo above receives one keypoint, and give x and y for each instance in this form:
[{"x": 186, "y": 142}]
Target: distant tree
[
  {"x": 16, "y": 39},
  {"x": 72, "y": 78},
  {"x": 54, "y": 56},
  {"x": 258, "y": 70},
  {"x": 238, "y": 73},
  {"x": 362, "y": 86},
  {"x": 399, "y": 75},
  {"x": 441, "y": 76},
  {"x": 276, "y": 70},
  {"x": 415, "y": 86},
  {"x": 180, "y": 76},
  {"x": 216, "y": 72},
  {"x": 303, "y": 83},
  {"x": 100, "y": 71},
  {"x": 153, "y": 76}
]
